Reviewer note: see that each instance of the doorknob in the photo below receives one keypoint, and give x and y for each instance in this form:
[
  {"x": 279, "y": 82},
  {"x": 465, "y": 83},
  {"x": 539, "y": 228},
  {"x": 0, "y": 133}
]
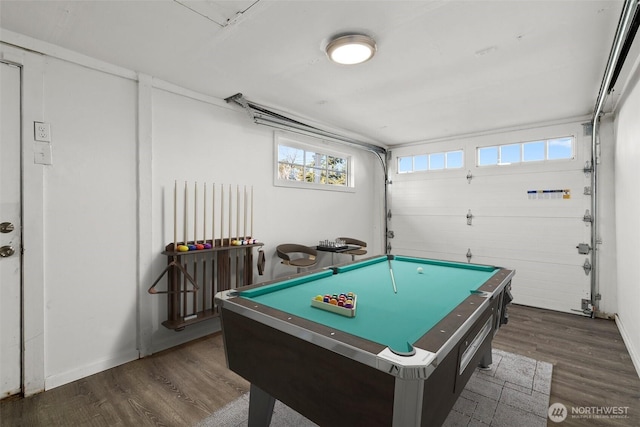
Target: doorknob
[
  {"x": 6, "y": 227},
  {"x": 6, "y": 251}
]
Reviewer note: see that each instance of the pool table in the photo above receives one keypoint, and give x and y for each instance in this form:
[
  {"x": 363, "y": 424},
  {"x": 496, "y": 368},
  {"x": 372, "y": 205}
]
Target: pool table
[{"x": 402, "y": 360}]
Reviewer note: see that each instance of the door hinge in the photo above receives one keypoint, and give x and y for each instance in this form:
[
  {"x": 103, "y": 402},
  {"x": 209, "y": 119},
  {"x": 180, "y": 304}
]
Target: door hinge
[
  {"x": 469, "y": 217},
  {"x": 587, "y": 216},
  {"x": 587, "y": 266},
  {"x": 469, "y": 255}
]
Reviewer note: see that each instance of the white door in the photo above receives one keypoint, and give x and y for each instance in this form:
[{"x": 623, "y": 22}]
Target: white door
[
  {"x": 509, "y": 225},
  {"x": 10, "y": 232}
]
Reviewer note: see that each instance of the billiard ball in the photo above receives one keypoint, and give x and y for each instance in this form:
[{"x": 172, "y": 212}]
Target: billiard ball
[{"x": 420, "y": 270}]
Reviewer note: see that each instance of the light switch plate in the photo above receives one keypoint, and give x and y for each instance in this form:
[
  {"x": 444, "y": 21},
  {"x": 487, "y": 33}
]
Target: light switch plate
[{"x": 42, "y": 154}]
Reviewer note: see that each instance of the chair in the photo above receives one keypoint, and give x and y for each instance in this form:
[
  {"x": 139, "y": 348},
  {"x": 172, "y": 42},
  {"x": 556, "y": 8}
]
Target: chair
[
  {"x": 356, "y": 251},
  {"x": 298, "y": 256}
]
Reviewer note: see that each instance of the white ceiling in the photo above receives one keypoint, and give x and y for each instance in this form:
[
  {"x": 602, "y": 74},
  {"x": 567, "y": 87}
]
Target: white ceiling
[{"x": 443, "y": 68}]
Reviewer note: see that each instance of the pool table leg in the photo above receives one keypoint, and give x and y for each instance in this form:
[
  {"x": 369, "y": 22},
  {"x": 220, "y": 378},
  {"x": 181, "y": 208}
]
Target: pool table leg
[
  {"x": 260, "y": 407},
  {"x": 486, "y": 360},
  {"x": 407, "y": 404}
]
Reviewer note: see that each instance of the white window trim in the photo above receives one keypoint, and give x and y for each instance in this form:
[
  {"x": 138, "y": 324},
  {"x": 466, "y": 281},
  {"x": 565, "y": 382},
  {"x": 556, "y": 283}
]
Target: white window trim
[
  {"x": 522, "y": 161},
  {"x": 444, "y": 169},
  {"x": 311, "y": 144}
]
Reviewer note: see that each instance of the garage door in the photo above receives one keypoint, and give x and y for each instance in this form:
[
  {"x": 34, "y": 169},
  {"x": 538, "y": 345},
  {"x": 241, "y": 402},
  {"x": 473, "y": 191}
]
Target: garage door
[{"x": 524, "y": 210}]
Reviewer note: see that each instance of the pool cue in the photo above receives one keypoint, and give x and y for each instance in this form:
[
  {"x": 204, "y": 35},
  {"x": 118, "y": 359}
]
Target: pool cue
[
  {"x": 251, "y": 230},
  {"x": 194, "y": 298},
  {"x": 195, "y": 212},
  {"x": 221, "y": 214},
  {"x": 230, "y": 212},
  {"x": 393, "y": 280},
  {"x": 237, "y": 212},
  {"x": 186, "y": 221},
  {"x": 175, "y": 215},
  {"x": 213, "y": 215},
  {"x": 244, "y": 229},
  {"x": 204, "y": 241}
]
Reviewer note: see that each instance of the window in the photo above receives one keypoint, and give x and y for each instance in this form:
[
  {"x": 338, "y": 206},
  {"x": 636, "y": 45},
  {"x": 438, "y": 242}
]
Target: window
[
  {"x": 561, "y": 148},
  {"x": 531, "y": 151},
  {"x": 436, "y": 161},
  {"x": 433, "y": 161},
  {"x": 420, "y": 163},
  {"x": 405, "y": 164},
  {"x": 510, "y": 153},
  {"x": 302, "y": 165},
  {"x": 454, "y": 159}
]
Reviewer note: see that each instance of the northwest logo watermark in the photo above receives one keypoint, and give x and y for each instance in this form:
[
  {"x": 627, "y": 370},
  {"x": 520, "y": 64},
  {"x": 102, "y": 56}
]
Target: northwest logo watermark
[{"x": 559, "y": 412}]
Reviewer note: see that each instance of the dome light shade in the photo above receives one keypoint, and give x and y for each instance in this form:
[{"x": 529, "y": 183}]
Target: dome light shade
[{"x": 351, "y": 49}]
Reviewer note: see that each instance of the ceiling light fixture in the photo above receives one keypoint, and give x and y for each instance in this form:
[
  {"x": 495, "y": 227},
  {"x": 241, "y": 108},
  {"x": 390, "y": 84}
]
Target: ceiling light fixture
[{"x": 351, "y": 49}]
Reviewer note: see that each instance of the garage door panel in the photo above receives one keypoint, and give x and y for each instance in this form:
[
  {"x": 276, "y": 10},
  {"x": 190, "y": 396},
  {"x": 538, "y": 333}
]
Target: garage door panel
[
  {"x": 547, "y": 302},
  {"x": 420, "y": 253},
  {"x": 456, "y": 203},
  {"x": 548, "y": 210},
  {"x": 456, "y": 248},
  {"x": 541, "y": 239},
  {"x": 548, "y": 233}
]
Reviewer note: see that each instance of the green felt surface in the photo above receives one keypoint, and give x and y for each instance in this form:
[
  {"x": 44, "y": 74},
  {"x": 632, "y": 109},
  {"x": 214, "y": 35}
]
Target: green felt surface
[{"x": 385, "y": 317}]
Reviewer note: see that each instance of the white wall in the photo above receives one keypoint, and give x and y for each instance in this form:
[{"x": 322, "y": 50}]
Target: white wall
[
  {"x": 89, "y": 221},
  {"x": 627, "y": 200},
  {"x": 96, "y": 219},
  {"x": 195, "y": 140}
]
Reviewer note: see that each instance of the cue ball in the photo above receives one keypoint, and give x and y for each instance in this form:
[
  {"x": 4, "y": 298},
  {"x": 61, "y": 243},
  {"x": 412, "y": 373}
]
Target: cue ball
[{"x": 419, "y": 270}]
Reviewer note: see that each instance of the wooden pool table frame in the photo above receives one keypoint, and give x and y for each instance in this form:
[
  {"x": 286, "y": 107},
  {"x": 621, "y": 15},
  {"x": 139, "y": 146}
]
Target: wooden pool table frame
[{"x": 335, "y": 378}]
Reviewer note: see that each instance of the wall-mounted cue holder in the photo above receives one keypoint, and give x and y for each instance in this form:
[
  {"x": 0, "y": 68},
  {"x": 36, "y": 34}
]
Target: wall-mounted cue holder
[
  {"x": 194, "y": 277},
  {"x": 198, "y": 268}
]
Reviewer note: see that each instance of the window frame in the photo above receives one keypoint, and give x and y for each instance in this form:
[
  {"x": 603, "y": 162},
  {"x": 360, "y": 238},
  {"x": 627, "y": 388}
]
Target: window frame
[
  {"x": 523, "y": 160},
  {"x": 445, "y": 162},
  {"x": 319, "y": 147}
]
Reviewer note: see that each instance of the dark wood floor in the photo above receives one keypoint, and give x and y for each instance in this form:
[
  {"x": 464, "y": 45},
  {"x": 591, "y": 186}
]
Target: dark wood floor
[{"x": 182, "y": 386}]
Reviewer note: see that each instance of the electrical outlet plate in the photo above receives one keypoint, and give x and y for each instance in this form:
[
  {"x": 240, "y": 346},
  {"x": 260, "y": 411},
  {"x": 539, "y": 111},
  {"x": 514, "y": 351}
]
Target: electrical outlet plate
[{"x": 42, "y": 131}]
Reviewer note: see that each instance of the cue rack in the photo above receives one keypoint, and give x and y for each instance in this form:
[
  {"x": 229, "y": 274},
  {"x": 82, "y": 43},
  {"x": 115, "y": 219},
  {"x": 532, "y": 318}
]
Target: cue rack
[
  {"x": 199, "y": 268},
  {"x": 194, "y": 277}
]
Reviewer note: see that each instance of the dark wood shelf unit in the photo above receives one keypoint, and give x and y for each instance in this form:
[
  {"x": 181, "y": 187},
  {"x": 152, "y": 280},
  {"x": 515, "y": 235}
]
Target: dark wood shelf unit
[{"x": 194, "y": 277}]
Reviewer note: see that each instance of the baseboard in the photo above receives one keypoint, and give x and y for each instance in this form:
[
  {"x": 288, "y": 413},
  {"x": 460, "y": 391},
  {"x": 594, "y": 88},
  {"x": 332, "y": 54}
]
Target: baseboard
[
  {"x": 165, "y": 339},
  {"x": 633, "y": 351},
  {"x": 84, "y": 371}
]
